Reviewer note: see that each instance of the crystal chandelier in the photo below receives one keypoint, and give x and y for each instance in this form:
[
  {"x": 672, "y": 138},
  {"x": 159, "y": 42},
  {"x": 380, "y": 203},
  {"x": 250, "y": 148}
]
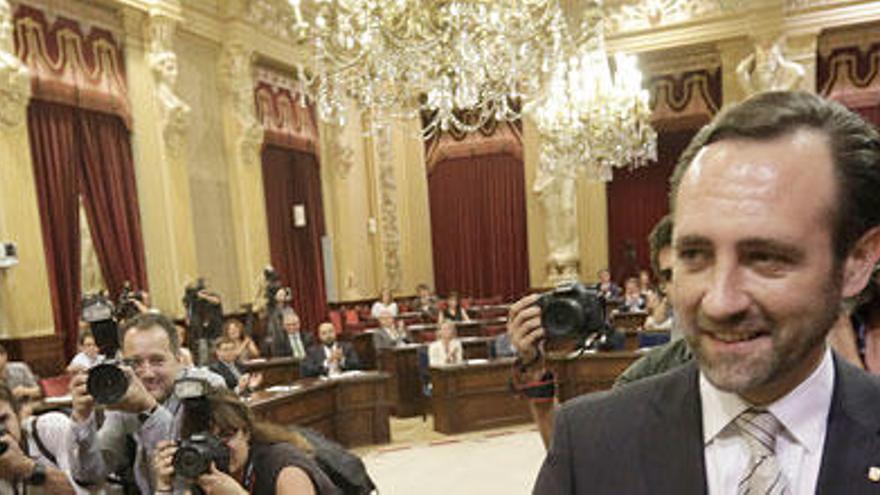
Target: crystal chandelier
[
  {"x": 590, "y": 121},
  {"x": 458, "y": 64}
]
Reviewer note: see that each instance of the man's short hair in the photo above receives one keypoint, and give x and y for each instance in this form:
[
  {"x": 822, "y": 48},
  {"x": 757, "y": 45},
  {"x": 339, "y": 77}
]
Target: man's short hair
[
  {"x": 855, "y": 150},
  {"x": 223, "y": 339},
  {"x": 422, "y": 287},
  {"x": 146, "y": 321},
  {"x": 660, "y": 238},
  {"x": 287, "y": 312}
]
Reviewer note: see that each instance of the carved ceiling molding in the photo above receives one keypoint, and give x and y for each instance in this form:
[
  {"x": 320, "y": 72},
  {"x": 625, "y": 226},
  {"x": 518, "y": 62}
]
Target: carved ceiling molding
[
  {"x": 679, "y": 60},
  {"x": 861, "y": 37},
  {"x": 274, "y": 16},
  {"x": 625, "y": 16},
  {"x": 850, "y": 74},
  {"x": 794, "y": 6},
  {"x": 89, "y": 15}
]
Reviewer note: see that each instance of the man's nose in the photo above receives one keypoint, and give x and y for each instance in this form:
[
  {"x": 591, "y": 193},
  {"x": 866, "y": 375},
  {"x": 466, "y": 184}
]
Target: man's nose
[{"x": 725, "y": 296}]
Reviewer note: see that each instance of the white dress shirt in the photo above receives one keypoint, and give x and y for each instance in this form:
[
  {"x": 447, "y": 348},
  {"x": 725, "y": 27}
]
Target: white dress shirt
[
  {"x": 439, "y": 355},
  {"x": 804, "y": 414}
]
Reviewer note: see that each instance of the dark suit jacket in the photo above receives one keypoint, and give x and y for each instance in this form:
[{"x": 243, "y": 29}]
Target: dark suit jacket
[
  {"x": 647, "y": 438},
  {"x": 281, "y": 344},
  {"x": 227, "y": 374},
  {"x": 313, "y": 364}
]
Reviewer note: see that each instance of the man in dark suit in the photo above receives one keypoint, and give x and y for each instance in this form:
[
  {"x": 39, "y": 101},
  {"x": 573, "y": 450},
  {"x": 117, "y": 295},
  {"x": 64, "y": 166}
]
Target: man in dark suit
[
  {"x": 330, "y": 357},
  {"x": 236, "y": 379},
  {"x": 777, "y": 220},
  {"x": 292, "y": 342}
]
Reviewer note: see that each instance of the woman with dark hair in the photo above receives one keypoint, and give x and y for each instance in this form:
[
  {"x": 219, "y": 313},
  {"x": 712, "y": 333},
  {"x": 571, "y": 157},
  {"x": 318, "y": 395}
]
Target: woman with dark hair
[
  {"x": 263, "y": 458},
  {"x": 453, "y": 310}
]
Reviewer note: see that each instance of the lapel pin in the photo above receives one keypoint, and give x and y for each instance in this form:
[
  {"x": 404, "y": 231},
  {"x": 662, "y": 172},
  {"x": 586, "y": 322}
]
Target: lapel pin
[{"x": 874, "y": 474}]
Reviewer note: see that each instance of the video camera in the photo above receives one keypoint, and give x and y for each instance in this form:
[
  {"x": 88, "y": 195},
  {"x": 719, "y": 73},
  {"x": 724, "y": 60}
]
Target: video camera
[
  {"x": 125, "y": 306},
  {"x": 97, "y": 311}
]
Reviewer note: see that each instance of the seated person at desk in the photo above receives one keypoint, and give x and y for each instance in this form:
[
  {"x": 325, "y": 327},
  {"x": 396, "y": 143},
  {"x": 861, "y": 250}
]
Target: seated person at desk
[
  {"x": 633, "y": 300},
  {"x": 388, "y": 334},
  {"x": 18, "y": 377},
  {"x": 226, "y": 367},
  {"x": 453, "y": 310},
  {"x": 606, "y": 287},
  {"x": 245, "y": 348},
  {"x": 264, "y": 457},
  {"x": 659, "y": 312},
  {"x": 385, "y": 303},
  {"x": 330, "y": 357},
  {"x": 425, "y": 302},
  {"x": 447, "y": 348},
  {"x": 646, "y": 286},
  {"x": 292, "y": 343},
  {"x": 88, "y": 355},
  {"x": 28, "y": 466}
]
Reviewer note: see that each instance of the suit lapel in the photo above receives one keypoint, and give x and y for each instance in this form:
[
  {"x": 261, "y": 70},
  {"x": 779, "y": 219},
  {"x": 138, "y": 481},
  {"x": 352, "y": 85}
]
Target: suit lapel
[
  {"x": 672, "y": 460},
  {"x": 852, "y": 440}
]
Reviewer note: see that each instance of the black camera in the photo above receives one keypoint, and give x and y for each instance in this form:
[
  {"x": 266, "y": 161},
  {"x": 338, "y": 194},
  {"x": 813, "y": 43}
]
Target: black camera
[
  {"x": 107, "y": 383},
  {"x": 572, "y": 310},
  {"x": 195, "y": 454},
  {"x": 126, "y": 307},
  {"x": 98, "y": 311}
]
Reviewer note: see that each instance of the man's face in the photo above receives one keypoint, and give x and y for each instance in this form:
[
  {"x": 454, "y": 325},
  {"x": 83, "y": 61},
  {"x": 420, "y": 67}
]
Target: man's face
[
  {"x": 447, "y": 332},
  {"x": 226, "y": 352},
  {"x": 755, "y": 287},
  {"x": 327, "y": 334},
  {"x": 605, "y": 276},
  {"x": 149, "y": 352},
  {"x": 89, "y": 348},
  {"x": 291, "y": 324}
]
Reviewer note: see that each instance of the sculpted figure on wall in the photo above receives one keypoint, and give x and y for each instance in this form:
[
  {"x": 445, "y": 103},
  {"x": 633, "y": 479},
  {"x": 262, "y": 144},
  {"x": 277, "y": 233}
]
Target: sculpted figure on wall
[
  {"x": 239, "y": 83},
  {"x": 15, "y": 85},
  {"x": 163, "y": 62},
  {"x": 767, "y": 69},
  {"x": 556, "y": 190}
]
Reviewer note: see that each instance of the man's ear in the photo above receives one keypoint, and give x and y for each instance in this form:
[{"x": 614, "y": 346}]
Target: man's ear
[{"x": 860, "y": 263}]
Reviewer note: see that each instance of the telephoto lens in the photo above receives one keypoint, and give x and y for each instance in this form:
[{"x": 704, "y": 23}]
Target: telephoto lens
[{"x": 107, "y": 383}]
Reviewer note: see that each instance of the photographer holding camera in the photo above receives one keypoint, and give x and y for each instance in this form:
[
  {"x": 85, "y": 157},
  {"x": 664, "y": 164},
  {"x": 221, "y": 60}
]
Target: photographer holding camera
[
  {"x": 204, "y": 316},
  {"x": 141, "y": 408},
  {"x": 226, "y": 450},
  {"x": 35, "y": 456}
]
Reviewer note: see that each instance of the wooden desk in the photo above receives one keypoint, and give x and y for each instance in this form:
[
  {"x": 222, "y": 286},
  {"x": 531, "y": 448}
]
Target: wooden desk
[
  {"x": 629, "y": 321},
  {"x": 363, "y": 346},
  {"x": 276, "y": 371},
  {"x": 352, "y": 410},
  {"x": 404, "y": 386},
  {"x": 590, "y": 372},
  {"x": 475, "y": 396}
]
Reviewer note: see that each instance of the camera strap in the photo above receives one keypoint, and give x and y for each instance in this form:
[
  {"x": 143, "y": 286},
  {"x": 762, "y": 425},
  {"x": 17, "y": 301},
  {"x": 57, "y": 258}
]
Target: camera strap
[
  {"x": 541, "y": 390},
  {"x": 35, "y": 433}
]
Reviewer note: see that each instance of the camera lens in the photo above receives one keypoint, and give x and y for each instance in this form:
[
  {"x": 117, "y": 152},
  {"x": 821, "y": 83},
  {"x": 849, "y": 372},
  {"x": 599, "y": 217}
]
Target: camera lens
[
  {"x": 191, "y": 462},
  {"x": 107, "y": 383},
  {"x": 562, "y": 317}
]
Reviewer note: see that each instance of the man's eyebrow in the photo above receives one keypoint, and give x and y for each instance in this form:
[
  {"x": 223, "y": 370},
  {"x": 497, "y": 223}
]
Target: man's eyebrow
[
  {"x": 691, "y": 241},
  {"x": 781, "y": 248}
]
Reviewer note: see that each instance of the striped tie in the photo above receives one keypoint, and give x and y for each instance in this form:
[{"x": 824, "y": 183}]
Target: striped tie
[{"x": 763, "y": 475}]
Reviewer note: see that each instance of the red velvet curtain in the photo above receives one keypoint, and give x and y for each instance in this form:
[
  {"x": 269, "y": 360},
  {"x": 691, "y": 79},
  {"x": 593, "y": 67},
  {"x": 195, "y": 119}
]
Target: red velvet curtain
[
  {"x": 55, "y": 152},
  {"x": 292, "y": 177},
  {"x": 637, "y": 199},
  {"x": 78, "y": 152},
  {"x": 110, "y": 199},
  {"x": 478, "y": 226}
]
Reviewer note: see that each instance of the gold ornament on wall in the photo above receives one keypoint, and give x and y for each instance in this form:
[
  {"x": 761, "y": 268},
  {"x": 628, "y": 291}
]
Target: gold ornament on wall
[
  {"x": 15, "y": 83},
  {"x": 237, "y": 74}
]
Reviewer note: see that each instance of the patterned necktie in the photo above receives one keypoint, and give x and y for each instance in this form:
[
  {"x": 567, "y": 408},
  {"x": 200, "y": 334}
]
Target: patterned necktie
[{"x": 763, "y": 476}]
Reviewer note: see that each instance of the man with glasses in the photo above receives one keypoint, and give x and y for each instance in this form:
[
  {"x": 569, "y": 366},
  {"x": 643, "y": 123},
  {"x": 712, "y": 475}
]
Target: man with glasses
[{"x": 147, "y": 413}]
